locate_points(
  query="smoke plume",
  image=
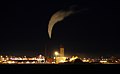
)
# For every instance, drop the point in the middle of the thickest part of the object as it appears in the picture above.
(59, 16)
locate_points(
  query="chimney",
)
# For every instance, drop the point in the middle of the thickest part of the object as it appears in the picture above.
(61, 51)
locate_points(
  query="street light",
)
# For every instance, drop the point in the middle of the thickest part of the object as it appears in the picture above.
(56, 53)
(1, 56)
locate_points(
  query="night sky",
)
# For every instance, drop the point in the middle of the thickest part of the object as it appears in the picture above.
(24, 25)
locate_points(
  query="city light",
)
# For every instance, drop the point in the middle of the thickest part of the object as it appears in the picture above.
(56, 53)
(85, 60)
(1, 56)
(73, 58)
(27, 62)
(40, 59)
(103, 61)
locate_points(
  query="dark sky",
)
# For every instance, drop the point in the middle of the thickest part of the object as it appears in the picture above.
(23, 28)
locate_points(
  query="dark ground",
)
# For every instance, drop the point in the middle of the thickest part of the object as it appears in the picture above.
(55, 68)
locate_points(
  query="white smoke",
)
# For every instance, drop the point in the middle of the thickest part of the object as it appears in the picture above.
(59, 16)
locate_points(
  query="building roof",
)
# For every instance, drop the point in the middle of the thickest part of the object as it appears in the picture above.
(61, 46)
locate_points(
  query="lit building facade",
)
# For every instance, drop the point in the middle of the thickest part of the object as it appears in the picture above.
(61, 51)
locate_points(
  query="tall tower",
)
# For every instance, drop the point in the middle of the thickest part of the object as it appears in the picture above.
(61, 51)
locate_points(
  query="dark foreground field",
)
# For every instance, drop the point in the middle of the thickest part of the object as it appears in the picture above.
(59, 68)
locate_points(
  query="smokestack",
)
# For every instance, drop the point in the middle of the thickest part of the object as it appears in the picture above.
(61, 51)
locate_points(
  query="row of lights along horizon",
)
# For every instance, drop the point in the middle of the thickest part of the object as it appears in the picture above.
(41, 60)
